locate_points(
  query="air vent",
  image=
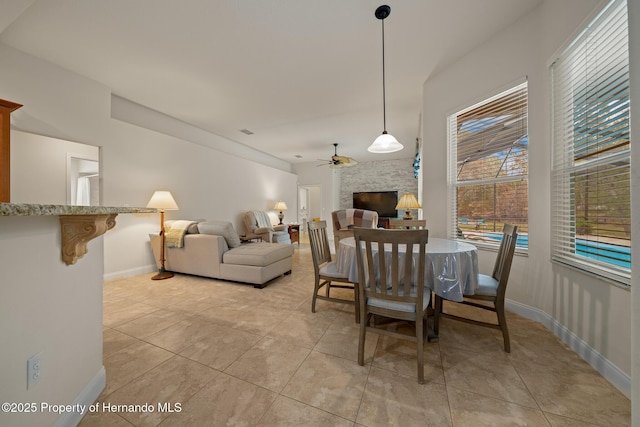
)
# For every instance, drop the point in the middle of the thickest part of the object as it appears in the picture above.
(246, 131)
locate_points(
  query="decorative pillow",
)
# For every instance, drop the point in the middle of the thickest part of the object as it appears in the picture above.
(193, 228)
(221, 228)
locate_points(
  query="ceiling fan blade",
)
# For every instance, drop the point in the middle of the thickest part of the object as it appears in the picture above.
(345, 160)
(340, 161)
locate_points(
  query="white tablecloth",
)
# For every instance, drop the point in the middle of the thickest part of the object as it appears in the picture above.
(451, 270)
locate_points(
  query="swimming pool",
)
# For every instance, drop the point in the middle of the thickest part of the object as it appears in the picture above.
(605, 252)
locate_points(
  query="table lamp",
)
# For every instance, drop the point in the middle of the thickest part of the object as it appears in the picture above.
(162, 200)
(408, 201)
(280, 206)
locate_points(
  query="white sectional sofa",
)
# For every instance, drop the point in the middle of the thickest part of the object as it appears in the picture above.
(213, 249)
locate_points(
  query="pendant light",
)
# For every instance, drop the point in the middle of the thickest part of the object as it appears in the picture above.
(385, 143)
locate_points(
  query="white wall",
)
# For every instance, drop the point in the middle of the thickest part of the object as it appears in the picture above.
(49, 308)
(593, 316)
(39, 167)
(136, 161)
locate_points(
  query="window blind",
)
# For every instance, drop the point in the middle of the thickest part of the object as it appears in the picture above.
(488, 156)
(591, 211)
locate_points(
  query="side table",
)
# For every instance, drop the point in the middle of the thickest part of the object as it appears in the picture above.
(294, 233)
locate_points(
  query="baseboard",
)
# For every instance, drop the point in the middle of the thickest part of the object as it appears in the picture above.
(131, 272)
(86, 398)
(608, 370)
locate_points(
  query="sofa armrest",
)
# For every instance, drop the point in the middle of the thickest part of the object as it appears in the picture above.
(283, 227)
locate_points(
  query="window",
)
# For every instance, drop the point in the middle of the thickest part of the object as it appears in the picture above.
(591, 210)
(489, 168)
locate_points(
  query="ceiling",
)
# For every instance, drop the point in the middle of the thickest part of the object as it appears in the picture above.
(300, 74)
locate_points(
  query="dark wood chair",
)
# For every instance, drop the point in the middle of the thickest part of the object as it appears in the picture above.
(387, 288)
(491, 289)
(326, 271)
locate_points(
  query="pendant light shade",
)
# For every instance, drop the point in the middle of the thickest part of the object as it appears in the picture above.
(385, 143)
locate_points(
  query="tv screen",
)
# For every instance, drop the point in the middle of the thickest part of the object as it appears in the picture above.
(383, 202)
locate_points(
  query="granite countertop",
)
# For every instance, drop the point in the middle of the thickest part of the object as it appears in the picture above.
(28, 209)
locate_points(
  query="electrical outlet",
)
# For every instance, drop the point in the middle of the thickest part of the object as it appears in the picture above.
(34, 370)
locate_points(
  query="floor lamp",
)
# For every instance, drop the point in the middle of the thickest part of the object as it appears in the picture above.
(162, 200)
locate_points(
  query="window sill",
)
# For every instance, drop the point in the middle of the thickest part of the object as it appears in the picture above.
(611, 278)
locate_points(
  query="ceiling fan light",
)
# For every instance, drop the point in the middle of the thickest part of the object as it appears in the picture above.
(385, 143)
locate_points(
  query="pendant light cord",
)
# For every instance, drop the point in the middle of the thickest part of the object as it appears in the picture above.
(384, 96)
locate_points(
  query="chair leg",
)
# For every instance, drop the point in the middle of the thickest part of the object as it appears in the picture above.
(316, 288)
(436, 315)
(502, 321)
(356, 290)
(361, 338)
(420, 345)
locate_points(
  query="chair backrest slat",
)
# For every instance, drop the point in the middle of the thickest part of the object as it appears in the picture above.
(375, 268)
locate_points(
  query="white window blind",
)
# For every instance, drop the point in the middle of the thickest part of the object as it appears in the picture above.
(591, 210)
(488, 155)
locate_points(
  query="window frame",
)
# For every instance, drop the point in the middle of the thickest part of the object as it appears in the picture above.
(570, 159)
(453, 168)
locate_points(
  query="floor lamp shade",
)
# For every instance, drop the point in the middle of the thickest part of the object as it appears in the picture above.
(162, 200)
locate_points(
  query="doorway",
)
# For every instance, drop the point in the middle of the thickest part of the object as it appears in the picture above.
(83, 181)
(309, 204)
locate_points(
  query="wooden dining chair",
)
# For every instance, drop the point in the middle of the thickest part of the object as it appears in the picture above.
(393, 287)
(326, 271)
(407, 224)
(491, 289)
(345, 219)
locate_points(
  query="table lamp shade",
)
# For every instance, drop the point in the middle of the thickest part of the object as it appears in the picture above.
(408, 201)
(280, 206)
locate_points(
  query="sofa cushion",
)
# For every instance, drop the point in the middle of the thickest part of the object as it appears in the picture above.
(258, 254)
(221, 228)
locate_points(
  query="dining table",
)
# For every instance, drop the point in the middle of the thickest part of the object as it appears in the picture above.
(451, 269)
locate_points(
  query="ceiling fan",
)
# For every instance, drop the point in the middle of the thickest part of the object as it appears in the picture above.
(339, 161)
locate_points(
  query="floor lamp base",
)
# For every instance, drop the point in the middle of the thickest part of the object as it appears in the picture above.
(162, 275)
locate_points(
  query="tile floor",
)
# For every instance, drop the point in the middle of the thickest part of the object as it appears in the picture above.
(229, 354)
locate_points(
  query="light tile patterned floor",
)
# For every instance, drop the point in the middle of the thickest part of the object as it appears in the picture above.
(230, 354)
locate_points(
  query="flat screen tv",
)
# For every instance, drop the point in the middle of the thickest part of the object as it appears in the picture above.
(383, 202)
